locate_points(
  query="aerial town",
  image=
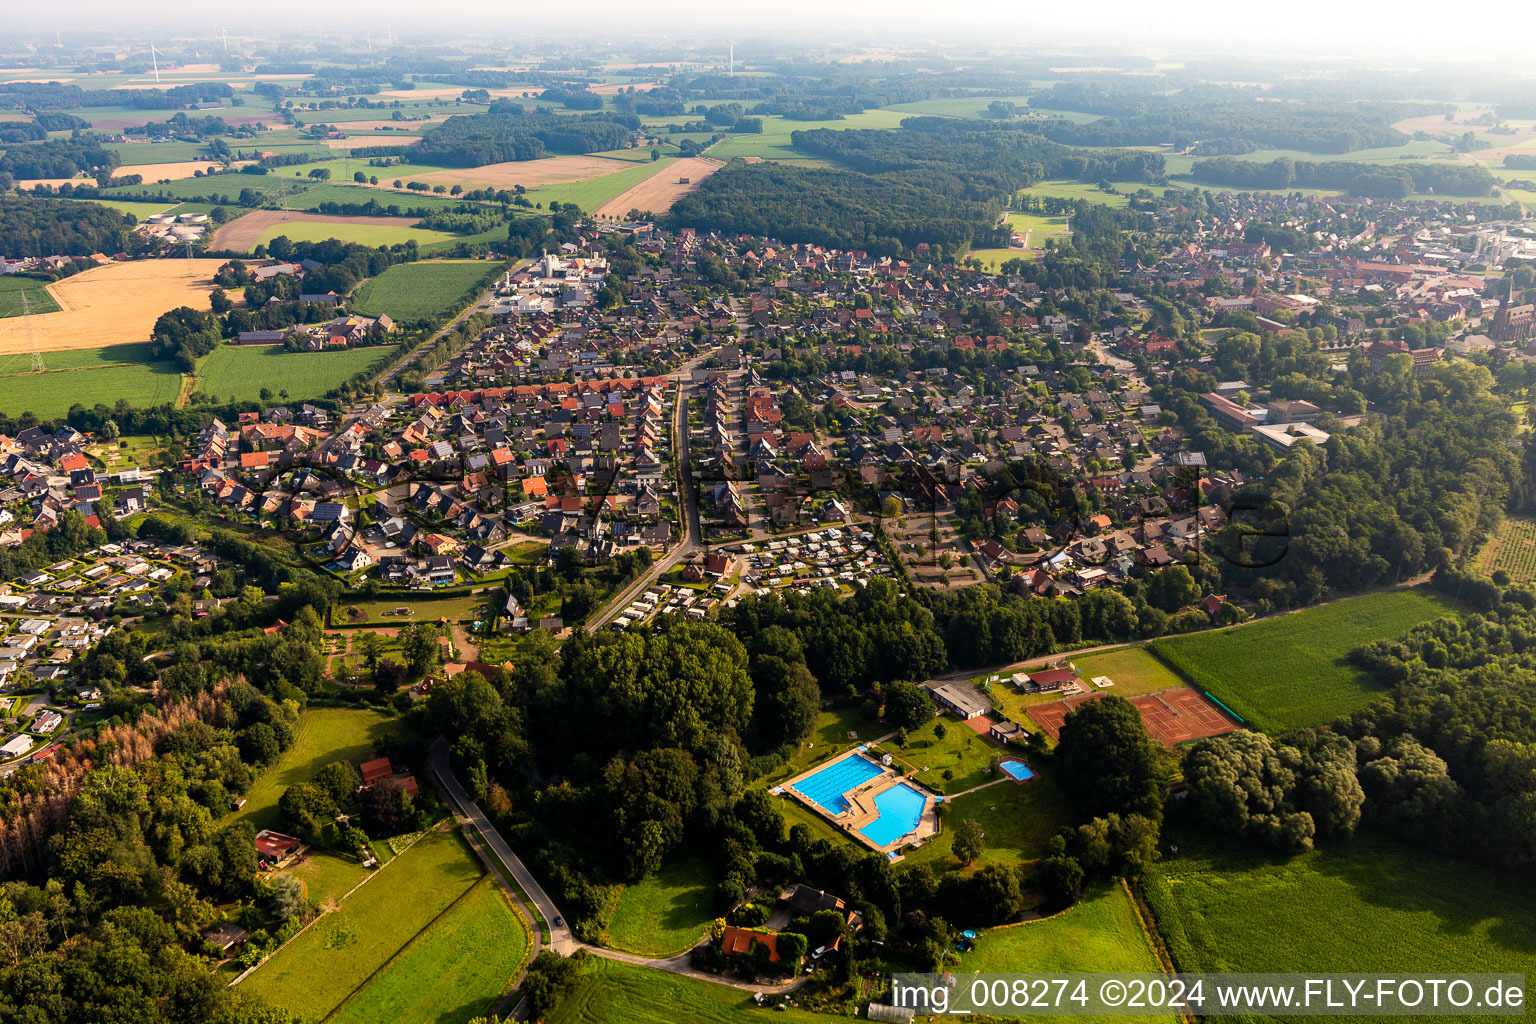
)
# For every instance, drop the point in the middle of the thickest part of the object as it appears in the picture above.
(576, 530)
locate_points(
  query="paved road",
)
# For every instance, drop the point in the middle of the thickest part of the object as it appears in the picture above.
(694, 541)
(560, 938)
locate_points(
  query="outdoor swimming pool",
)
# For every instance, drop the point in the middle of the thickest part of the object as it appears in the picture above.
(1018, 770)
(901, 808)
(826, 788)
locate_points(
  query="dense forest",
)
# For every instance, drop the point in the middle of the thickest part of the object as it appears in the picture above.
(1374, 180)
(1216, 119)
(508, 132)
(42, 96)
(59, 158)
(883, 214)
(905, 187)
(54, 227)
(994, 154)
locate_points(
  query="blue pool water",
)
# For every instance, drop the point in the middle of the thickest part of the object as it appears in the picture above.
(901, 808)
(826, 787)
(1018, 770)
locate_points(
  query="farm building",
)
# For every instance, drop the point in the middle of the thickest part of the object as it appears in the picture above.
(272, 848)
(15, 747)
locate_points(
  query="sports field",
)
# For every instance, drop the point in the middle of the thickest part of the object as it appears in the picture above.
(85, 375)
(454, 970)
(1290, 671)
(111, 304)
(239, 372)
(320, 736)
(1364, 905)
(1512, 548)
(416, 291)
(14, 289)
(316, 972)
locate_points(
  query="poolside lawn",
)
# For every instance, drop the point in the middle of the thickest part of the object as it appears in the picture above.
(964, 754)
(1018, 819)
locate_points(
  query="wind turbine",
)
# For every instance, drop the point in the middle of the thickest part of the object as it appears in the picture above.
(153, 62)
(732, 44)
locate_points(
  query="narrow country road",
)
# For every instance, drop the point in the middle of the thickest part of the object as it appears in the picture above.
(561, 939)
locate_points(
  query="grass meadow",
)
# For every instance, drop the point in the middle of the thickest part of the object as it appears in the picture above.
(239, 372)
(318, 971)
(1361, 906)
(320, 736)
(88, 376)
(12, 290)
(454, 970)
(416, 291)
(609, 992)
(669, 911)
(1512, 548)
(361, 232)
(1290, 671)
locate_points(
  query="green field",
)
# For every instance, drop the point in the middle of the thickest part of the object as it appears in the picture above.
(1081, 190)
(1290, 671)
(88, 376)
(453, 971)
(992, 260)
(319, 970)
(667, 912)
(361, 231)
(774, 141)
(239, 372)
(1101, 933)
(1360, 906)
(609, 992)
(320, 736)
(1039, 226)
(12, 289)
(1512, 548)
(416, 291)
(594, 192)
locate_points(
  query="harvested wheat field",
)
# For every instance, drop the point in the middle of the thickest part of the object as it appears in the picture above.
(174, 171)
(549, 170)
(110, 305)
(359, 141)
(657, 193)
(247, 232)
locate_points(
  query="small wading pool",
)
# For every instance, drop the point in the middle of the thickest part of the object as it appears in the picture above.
(1017, 770)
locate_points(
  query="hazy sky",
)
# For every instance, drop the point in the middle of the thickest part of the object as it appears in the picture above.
(1372, 29)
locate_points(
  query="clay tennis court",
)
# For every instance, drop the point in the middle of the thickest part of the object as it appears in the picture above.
(1171, 716)
(657, 193)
